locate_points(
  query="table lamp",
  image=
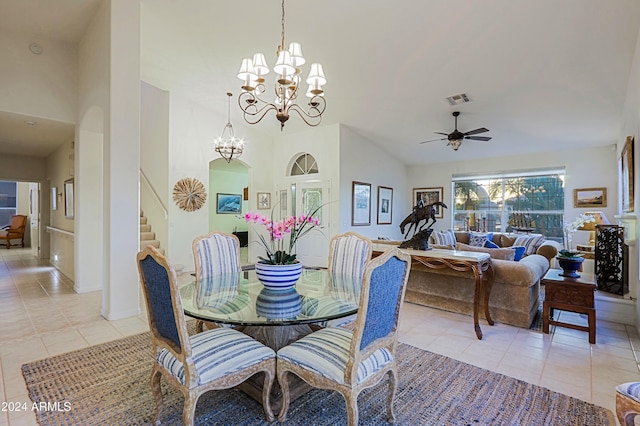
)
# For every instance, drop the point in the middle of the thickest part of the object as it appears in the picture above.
(600, 219)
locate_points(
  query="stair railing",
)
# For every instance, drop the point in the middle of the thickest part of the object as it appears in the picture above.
(156, 197)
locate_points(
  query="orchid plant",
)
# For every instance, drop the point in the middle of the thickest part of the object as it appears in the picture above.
(280, 251)
(572, 227)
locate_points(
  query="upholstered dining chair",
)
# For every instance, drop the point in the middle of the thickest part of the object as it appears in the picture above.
(349, 361)
(15, 230)
(215, 359)
(214, 254)
(348, 254)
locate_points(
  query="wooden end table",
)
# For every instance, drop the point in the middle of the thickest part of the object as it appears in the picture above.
(569, 294)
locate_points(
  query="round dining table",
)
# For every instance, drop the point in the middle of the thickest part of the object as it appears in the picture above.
(273, 317)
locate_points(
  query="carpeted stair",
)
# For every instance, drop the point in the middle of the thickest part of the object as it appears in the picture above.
(147, 236)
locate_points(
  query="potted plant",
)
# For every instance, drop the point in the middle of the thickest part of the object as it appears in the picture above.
(280, 269)
(570, 262)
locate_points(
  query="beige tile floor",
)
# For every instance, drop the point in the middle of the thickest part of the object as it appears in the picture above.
(41, 316)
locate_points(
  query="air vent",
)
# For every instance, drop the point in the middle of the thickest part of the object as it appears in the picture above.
(460, 99)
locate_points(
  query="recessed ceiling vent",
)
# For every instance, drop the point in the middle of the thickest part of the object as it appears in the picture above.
(460, 99)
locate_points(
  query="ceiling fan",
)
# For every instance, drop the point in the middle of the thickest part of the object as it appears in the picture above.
(455, 138)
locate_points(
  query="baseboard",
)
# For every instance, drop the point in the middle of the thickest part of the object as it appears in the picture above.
(614, 308)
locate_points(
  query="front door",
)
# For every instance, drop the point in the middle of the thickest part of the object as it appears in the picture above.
(313, 248)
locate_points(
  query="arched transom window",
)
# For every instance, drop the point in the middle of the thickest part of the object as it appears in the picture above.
(305, 164)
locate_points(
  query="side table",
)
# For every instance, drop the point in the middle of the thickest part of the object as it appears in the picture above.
(569, 294)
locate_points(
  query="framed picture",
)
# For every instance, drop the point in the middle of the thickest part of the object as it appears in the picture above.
(590, 197)
(385, 205)
(68, 198)
(626, 176)
(54, 198)
(361, 204)
(264, 200)
(428, 196)
(228, 203)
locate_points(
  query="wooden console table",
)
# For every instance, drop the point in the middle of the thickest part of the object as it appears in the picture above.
(477, 263)
(569, 294)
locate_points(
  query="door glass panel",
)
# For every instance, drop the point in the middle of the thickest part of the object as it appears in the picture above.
(311, 200)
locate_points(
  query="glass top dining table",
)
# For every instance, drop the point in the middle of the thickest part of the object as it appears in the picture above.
(240, 299)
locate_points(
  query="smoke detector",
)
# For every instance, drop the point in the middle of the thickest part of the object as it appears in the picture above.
(35, 48)
(460, 99)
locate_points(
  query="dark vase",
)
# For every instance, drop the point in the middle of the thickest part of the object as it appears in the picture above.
(570, 266)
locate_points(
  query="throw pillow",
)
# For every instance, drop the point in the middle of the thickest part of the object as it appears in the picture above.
(506, 241)
(478, 239)
(519, 252)
(499, 253)
(445, 238)
(529, 242)
(491, 244)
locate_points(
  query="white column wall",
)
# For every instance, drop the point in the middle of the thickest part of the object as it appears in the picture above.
(109, 85)
(122, 162)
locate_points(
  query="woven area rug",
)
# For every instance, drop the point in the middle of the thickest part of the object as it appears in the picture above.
(108, 384)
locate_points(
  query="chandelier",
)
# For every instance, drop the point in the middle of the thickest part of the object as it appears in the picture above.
(252, 99)
(227, 145)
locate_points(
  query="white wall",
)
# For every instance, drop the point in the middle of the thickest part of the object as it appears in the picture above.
(192, 129)
(631, 127)
(50, 78)
(154, 160)
(62, 253)
(363, 161)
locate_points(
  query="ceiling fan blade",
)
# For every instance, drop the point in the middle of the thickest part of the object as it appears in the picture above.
(476, 131)
(441, 133)
(478, 138)
(434, 140)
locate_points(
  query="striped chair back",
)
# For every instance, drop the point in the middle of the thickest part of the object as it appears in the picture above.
(216, 253)
(348, 254)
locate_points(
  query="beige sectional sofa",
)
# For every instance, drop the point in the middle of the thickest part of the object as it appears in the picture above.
(514, 296)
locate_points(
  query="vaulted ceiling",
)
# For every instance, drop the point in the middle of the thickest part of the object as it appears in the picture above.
(541, 75)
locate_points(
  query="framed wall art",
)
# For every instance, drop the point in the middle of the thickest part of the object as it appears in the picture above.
(590, 197)
(626, 176)
(264, 200)
(361, 204)
(428, 196)
(228, 203)
(385, 205)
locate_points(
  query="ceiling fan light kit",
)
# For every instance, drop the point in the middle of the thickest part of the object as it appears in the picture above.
(456, 137)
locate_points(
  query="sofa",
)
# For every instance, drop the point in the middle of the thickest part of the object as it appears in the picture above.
(514, 297)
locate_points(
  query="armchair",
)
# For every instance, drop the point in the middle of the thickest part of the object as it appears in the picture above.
(15, 230)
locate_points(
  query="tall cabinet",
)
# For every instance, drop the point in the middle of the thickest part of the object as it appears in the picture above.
(611, 260)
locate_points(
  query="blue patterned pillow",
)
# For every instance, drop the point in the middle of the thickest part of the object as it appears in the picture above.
(529, 242)
(478, 239)
(491, 244)
(519, 252)
(445, 238)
